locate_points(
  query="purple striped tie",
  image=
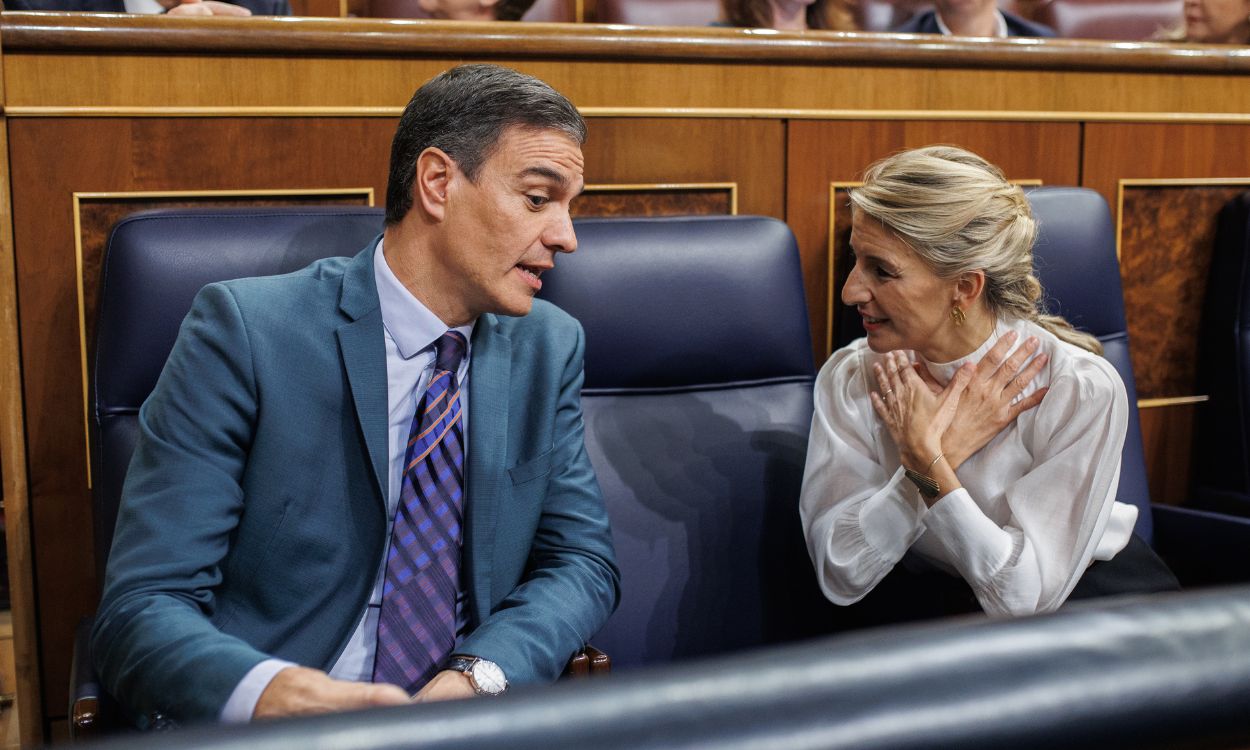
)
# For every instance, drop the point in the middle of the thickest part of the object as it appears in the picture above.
(417, 624)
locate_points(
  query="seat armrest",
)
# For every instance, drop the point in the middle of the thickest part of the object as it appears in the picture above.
(590, 661)
(1203, 548)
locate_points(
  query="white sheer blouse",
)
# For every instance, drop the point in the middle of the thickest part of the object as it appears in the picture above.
(1037, 503)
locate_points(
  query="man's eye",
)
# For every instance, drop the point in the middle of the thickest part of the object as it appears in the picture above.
(537, 201)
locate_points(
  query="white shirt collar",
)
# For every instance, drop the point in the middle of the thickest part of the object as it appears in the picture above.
(944, 371)
(143, 6)
(998, 17)
(409, 322)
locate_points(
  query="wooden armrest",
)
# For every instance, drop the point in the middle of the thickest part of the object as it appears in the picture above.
(588, 662)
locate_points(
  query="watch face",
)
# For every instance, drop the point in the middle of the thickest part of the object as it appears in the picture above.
(488, 677)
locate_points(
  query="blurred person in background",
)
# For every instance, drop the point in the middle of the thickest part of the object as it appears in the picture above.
(789, 15)
(153, 7)
(476, 10)
(971, 18)
(1212, 22)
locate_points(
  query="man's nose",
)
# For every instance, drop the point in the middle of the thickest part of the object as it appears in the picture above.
(560, 236)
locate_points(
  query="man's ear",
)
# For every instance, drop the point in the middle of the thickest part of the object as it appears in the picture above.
(968, 288)
(434, 173)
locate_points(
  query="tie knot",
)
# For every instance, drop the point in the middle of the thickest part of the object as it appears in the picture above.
(449, 349)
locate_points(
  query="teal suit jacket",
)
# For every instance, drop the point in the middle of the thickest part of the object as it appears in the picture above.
(253, 518)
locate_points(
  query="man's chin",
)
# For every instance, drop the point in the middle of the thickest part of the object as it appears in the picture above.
(516, 308)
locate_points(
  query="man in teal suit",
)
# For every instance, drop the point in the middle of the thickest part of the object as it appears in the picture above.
(267, 517)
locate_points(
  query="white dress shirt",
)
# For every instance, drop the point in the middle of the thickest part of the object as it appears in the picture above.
(1037, 503)
(410, 330)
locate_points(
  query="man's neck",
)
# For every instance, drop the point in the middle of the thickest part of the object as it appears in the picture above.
(973, 24)
(412, 263)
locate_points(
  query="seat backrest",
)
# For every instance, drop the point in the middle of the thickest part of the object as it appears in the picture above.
(658, 12)
(1076, 262)
(1220, 469)
(154, 264)
(1110, 19)
(560, 11)
(1077, 265)
(698, 402)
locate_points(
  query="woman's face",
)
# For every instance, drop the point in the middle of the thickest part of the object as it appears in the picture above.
(904, 305)
(1217, 21)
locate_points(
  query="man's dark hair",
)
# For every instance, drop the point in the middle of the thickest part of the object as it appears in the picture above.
(463, 112)
(511, 10)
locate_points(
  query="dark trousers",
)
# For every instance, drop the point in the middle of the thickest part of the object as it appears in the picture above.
(915, 591)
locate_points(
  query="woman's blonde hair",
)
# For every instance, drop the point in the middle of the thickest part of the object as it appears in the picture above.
(960, 214)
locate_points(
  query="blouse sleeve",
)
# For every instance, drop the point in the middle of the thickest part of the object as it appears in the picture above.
(1058, 508)
(859, 518)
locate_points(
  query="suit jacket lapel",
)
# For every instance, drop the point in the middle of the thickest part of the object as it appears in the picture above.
(363, 349)
(489, 379)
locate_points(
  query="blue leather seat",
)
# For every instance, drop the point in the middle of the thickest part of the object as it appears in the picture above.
(1075, 260)
(698, 403)
(155, 263)
(697, 399)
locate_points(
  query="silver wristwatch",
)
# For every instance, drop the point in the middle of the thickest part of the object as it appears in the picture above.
(485, 676)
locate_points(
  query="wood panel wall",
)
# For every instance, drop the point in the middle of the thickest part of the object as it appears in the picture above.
(771, 127)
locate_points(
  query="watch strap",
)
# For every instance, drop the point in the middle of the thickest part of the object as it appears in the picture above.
(927, 485)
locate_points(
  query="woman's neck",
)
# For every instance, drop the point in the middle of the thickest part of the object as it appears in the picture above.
(958, 342)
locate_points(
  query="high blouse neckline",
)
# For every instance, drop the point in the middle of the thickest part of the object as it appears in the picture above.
(944, 371)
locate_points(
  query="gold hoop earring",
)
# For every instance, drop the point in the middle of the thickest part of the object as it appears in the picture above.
(957, 315)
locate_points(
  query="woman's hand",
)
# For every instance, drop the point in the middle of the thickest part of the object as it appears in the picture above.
(916, 417)
(986, 407)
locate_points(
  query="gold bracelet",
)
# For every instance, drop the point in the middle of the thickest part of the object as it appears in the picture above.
(932, 463)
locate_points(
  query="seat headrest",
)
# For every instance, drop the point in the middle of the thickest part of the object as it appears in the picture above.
(1074, 232)
(644, 285)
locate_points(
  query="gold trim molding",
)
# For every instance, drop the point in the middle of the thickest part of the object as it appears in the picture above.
(80, 197)
(1154, 403)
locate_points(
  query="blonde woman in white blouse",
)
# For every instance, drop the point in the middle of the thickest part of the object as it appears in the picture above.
(968, 436)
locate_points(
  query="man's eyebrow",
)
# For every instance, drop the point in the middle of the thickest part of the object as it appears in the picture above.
(546, 172)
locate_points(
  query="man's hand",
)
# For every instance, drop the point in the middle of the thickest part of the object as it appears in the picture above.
(448, 685)
(297, 691)
(205, 8)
